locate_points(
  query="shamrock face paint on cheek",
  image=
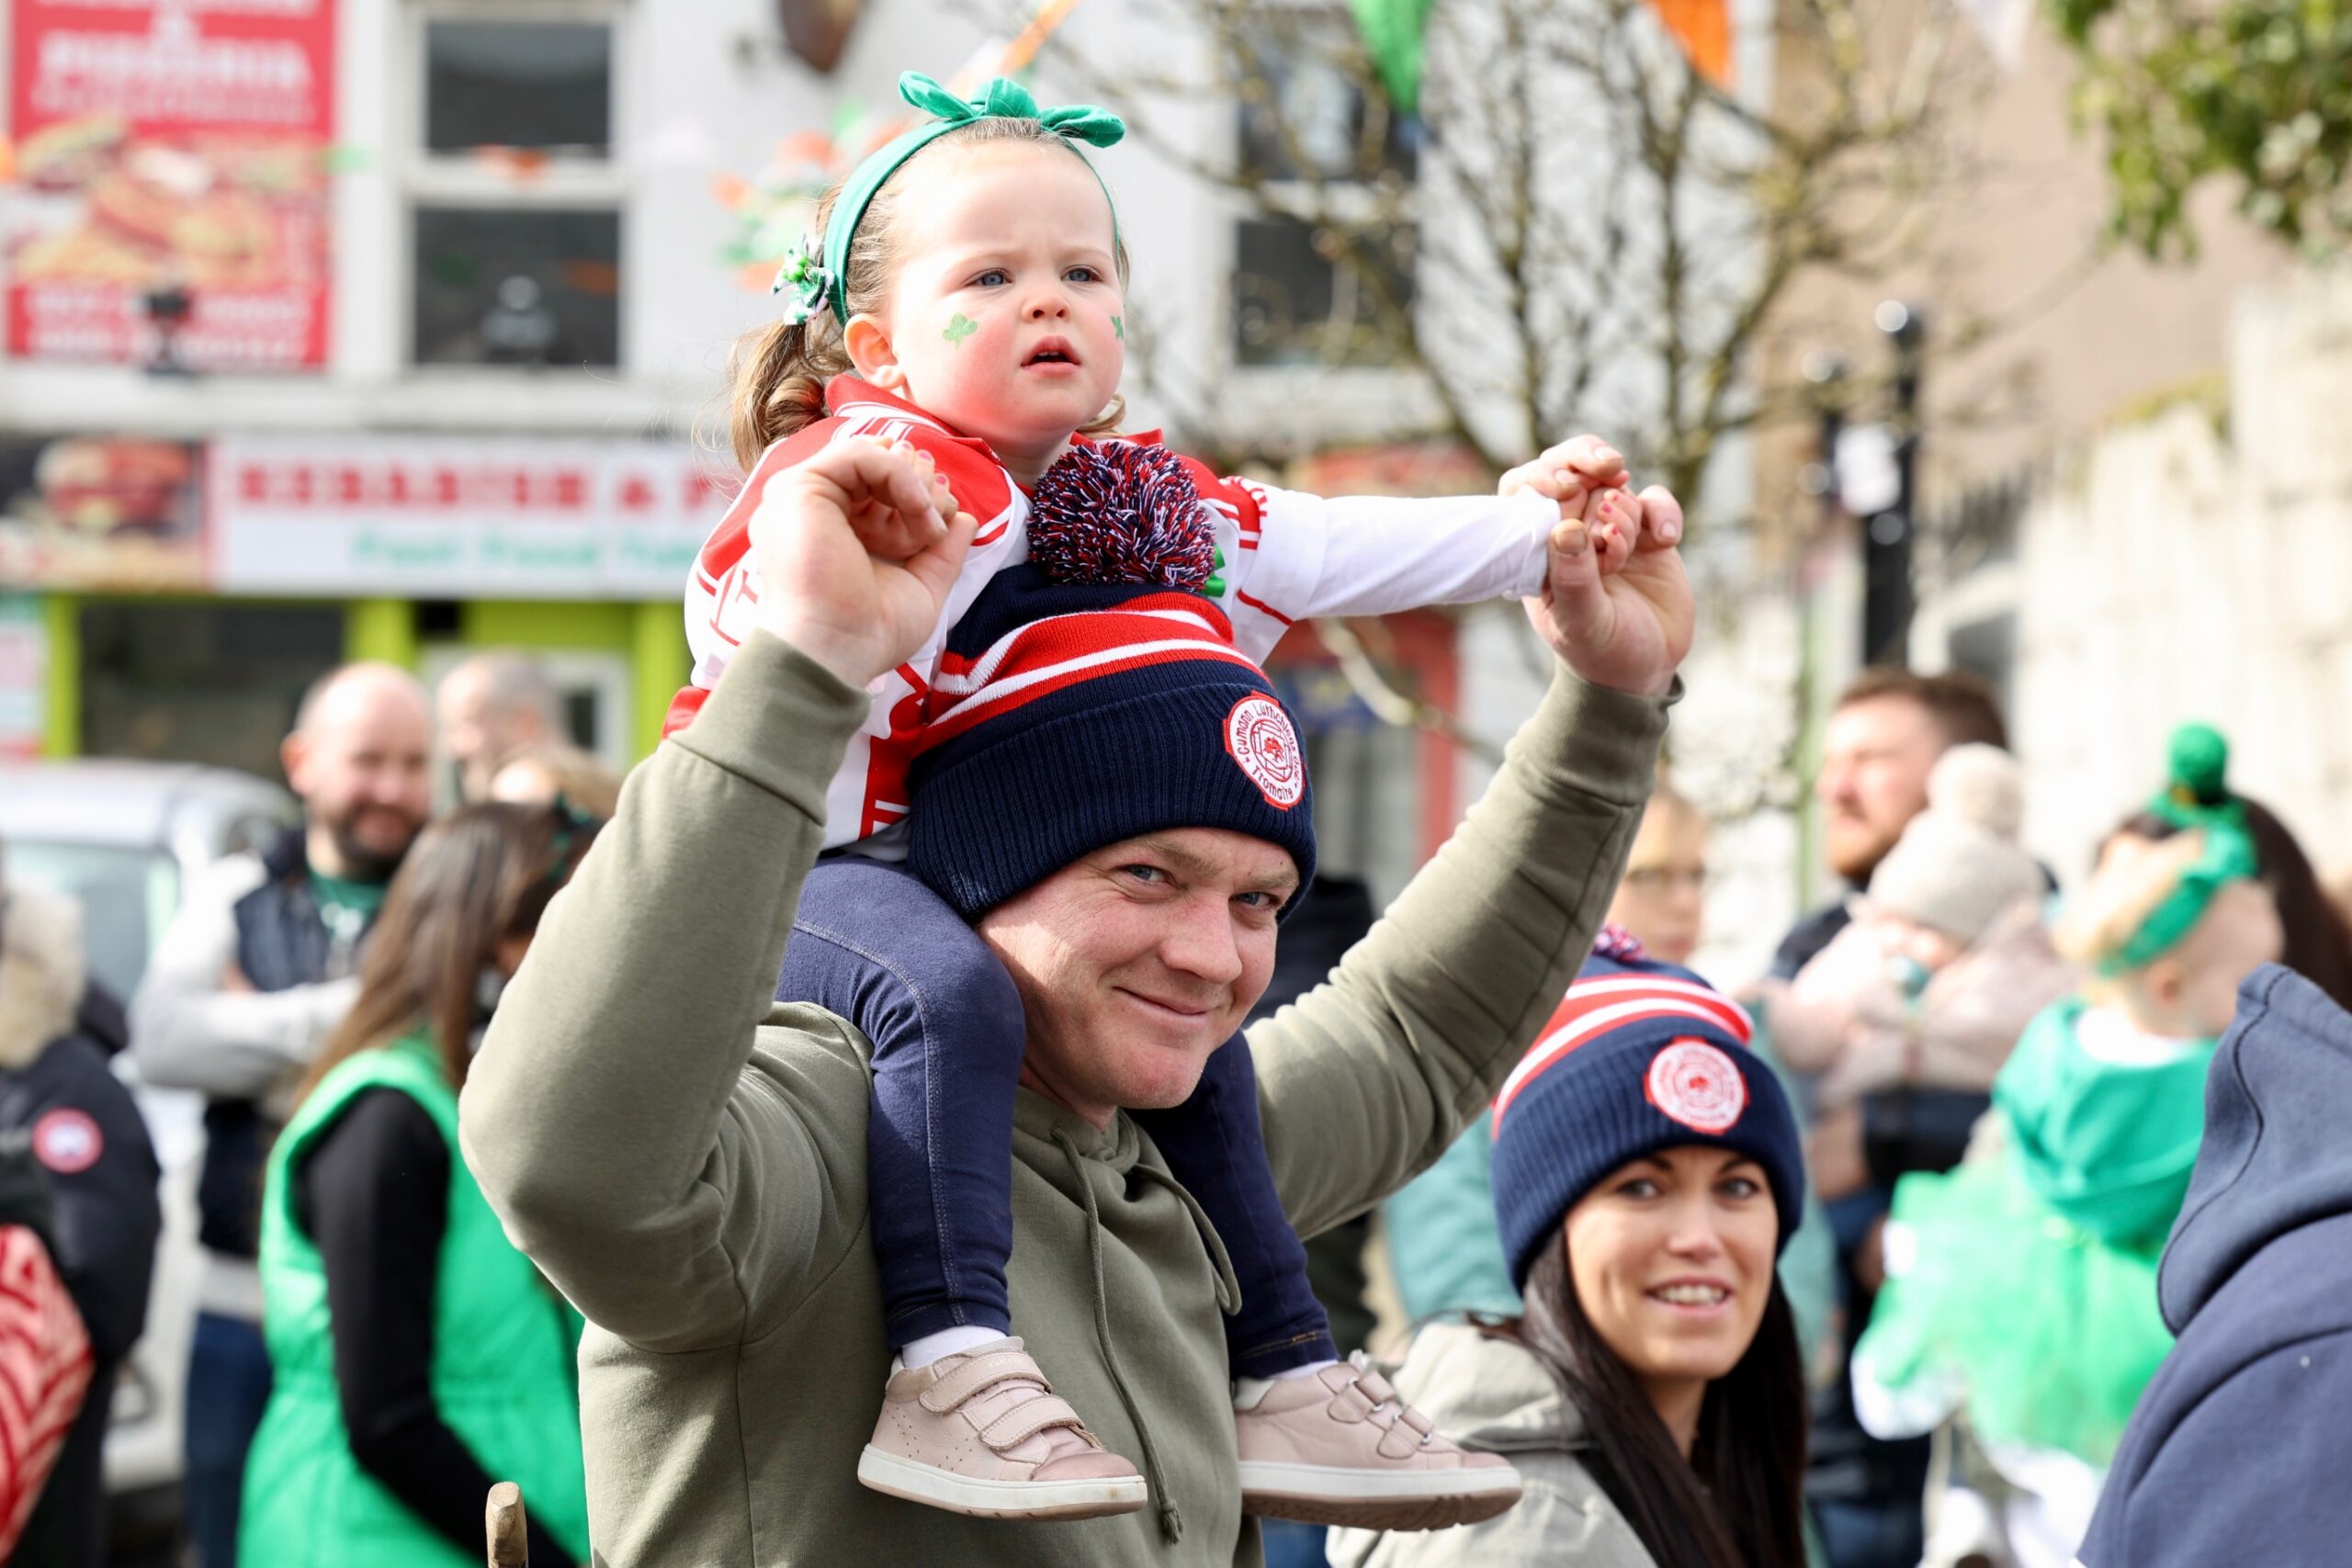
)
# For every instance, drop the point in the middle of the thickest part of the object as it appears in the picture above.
(962, 327)
(1119, 328)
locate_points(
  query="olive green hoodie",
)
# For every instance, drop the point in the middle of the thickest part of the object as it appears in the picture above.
(687, 1161)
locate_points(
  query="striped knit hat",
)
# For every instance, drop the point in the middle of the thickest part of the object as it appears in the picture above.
(1067, 717)
(1641, 1057)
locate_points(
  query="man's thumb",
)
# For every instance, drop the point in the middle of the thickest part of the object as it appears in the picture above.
(1577, 594)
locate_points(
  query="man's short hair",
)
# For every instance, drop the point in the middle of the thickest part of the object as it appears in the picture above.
(1963, 704)
(515, 683)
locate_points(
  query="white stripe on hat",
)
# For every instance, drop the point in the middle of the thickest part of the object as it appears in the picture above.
(985, 667)
(1734, 1017)
(1013, 685)
(1613, 1004)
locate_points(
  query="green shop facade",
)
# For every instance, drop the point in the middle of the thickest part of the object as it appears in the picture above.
(172, 600)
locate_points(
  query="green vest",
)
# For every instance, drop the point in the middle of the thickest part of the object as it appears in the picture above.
(504, 1372)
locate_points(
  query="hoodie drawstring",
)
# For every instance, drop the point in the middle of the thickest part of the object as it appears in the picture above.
(1171, 1523)
(1228, 1285)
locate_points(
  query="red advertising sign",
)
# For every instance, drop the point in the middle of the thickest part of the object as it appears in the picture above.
(171, 145)
(440, 518)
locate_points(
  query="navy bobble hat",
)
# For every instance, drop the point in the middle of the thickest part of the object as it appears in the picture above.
(1065, 716)
(1641, 1057)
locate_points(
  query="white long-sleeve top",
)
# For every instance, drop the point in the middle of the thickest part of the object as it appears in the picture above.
(1287, 557)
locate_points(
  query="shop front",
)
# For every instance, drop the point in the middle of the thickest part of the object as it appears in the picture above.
(173, 600)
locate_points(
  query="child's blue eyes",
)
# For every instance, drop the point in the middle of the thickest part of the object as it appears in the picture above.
(997, 278)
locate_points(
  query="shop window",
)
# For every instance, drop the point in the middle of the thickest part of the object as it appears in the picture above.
(200, 683)
(526, 287)
(1329, 280)
(546, 85)
(515, 200)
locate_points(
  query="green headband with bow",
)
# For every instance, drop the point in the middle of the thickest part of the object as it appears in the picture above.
(2196, 798)
(819, 278)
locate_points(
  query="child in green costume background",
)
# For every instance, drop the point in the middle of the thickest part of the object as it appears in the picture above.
(2021, 1288)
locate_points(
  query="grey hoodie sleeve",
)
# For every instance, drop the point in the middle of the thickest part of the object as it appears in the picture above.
(1364, 1081)
(188, 1030)
(669, 1193)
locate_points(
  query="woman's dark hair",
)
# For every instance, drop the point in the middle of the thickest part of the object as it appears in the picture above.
(2319, 944)
(1738, 1502)
(470, 881)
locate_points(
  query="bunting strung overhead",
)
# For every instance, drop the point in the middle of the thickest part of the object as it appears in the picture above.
(1392, 33)
(1703, 29)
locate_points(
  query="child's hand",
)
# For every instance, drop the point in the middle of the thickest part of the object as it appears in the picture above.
(856, 551)
(1569, 473)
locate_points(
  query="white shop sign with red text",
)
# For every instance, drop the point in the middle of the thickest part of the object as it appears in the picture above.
(430, 518)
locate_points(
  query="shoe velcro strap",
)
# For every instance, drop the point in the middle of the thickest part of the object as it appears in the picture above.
(980, 1372)
(1026, 1419)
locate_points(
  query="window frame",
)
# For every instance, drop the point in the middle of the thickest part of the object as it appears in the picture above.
(424, 178)
(1309, 200)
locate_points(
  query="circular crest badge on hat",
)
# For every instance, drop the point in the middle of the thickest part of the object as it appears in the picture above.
(1698, 1085)
(68, 1141)
(1258, 734)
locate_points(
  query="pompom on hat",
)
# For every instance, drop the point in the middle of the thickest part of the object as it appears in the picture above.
(1959, 864)
(1641, 1057)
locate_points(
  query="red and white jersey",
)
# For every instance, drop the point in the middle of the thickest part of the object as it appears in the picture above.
(1287, 557)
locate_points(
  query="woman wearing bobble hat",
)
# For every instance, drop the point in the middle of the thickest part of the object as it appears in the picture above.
(1647, 1173)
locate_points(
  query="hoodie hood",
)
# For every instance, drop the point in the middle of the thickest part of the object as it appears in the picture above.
(2275, 1155)
(42, 972)
(2106, 1121)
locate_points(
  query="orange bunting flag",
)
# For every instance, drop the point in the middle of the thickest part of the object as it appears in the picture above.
(1703, 29)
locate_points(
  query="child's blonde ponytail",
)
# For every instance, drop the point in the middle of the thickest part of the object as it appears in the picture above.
(779, 373)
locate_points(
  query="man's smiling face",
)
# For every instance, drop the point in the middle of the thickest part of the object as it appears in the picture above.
(1136, 961)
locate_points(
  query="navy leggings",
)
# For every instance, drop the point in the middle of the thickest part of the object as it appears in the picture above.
(877, 947)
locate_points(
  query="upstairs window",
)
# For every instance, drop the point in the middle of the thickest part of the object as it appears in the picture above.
(1326, 278)
(515, 200)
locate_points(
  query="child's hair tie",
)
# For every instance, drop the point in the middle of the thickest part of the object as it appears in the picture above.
(825, 276)
(803, 272)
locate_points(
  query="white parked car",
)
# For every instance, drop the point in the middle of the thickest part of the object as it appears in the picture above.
(123, 838)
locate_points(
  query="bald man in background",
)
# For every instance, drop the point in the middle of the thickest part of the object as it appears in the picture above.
(253, 973)
(491, 706)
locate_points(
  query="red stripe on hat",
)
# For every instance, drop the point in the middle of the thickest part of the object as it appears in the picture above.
(1052, 638)
(1604, 990)
(1593, 1008)
(1015, 690)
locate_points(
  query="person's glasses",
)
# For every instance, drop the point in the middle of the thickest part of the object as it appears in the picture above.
(1655, 879)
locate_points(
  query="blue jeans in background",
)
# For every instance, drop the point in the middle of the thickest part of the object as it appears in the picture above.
(228, 1386)
(874, 945)
(1290, 1544)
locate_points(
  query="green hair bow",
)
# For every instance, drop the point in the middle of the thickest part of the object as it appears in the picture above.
(817, 275)
(2196, 798)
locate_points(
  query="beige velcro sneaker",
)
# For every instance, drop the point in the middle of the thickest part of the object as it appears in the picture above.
(983, 1433)
(1337, 1447)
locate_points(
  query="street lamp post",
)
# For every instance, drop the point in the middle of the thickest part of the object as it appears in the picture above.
(1886, 536)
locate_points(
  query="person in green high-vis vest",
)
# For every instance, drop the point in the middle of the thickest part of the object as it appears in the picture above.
(418, 1356)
